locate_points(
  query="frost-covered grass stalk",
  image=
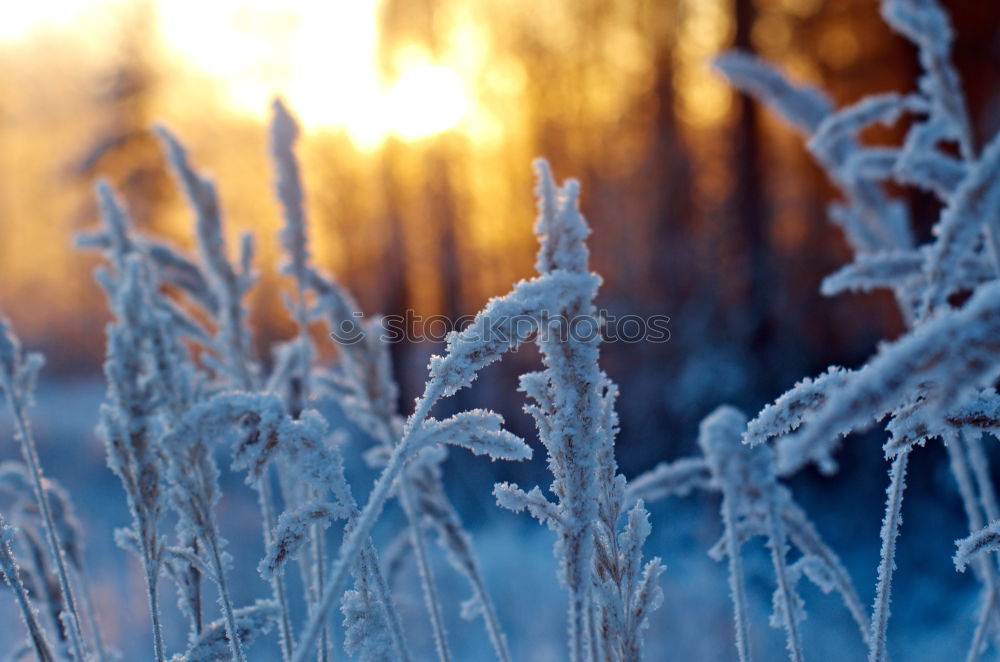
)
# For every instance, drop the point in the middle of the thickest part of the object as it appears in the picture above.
(935, 381)
(284, 133)
(11, 575)
(576, 421)
(18, 374)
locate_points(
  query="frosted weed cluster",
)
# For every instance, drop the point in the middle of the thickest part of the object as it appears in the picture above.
(166, 412)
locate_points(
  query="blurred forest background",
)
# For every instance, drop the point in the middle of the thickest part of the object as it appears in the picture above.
(421, 120)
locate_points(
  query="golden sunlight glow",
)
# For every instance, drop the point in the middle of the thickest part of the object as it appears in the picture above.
(22, 18)
(320, 55)
(426, 99)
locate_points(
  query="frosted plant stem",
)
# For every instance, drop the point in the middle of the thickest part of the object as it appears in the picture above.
(267, 508)
(91, 614)
(981, 470)
(431, 597)
(278, 580)
(349, 550)
(391, 432)
(890, 530)
(319, 559)
(198, 607)
(776, 541)
(988, 500)
(805, 537)
(235, 646)
(354, 541)
(153, 595)
(975, 650)
(592, 633)
(311, 591)
(577, 621)
(9, 572)
(984, 568)
(967, 151)
(318, 539)
(489, 615)
(38, 642)
(30, 454)
(385, 595)
(736, 586)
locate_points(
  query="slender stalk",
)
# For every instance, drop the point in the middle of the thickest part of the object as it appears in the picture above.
(449, 526)
(288, 185)
(497, 637)
(594, 642)
(805, 537)
(981, 470)
(967, 151)
(153, 596)
(426, 572)
(736, 580)
(267, 508)
(30, 454)
(319, 560)
(91, 614)
(890, 530)
(35, 633)
(392, 615)
(985, 570)
(235, 645)
(198, 616)
(776, 538)
(577, 616)
(391, 430)
(278, 588)
(10, 574)
(979, 636)
(988, 500)
(354, 541)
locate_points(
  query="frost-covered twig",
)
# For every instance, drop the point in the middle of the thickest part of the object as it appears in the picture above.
(942, 361)
(570, 430)
(877, 651)
(677, 478)
(985, 569)
(751, 501)
(986, 539)
(194, 490)
(10, 574)
(574, 412)
(227, 284)
(974, 206)
(18, 374)
(284, 132)
(140, 374)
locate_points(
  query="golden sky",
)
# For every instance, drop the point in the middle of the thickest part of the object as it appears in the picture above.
(320, 55)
